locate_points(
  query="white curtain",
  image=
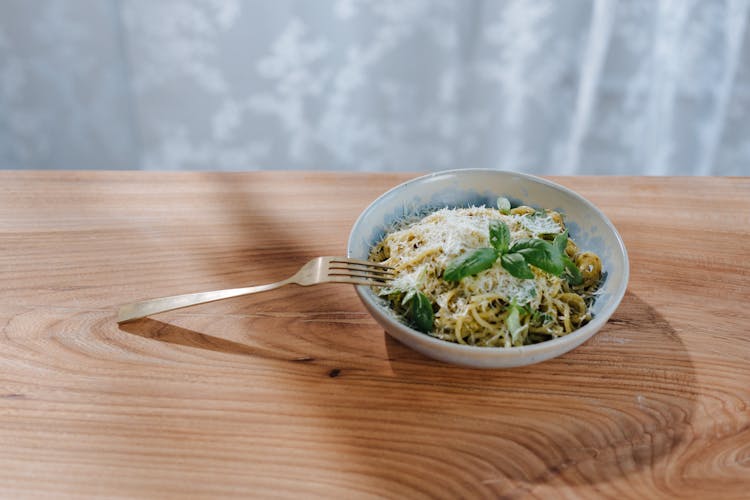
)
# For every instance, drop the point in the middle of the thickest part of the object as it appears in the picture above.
(542, 86)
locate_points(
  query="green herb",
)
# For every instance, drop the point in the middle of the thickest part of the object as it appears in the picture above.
(499, 236)
(513, 322)
(572, 274)
(540, 318)
(516, 258)
(516, 265)
(420, 312)
(503, 205)
(541, 254)
(561, 242)
(470, 263)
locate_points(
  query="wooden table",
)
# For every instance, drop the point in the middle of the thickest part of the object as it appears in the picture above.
(298, 393)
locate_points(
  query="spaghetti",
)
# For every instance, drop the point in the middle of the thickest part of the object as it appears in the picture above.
(493, 307)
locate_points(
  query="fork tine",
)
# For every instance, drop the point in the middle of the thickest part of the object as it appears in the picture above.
(357, 262)
(380, 271)
(357, 281)
(360, 274)
(355, 268)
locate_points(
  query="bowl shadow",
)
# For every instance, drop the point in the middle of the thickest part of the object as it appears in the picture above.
(621, 402)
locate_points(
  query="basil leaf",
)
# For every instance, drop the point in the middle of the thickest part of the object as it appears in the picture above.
(503, 205)
(513, 323)
(515, 264)
(561, 242)
(541, 254)
(540, 318)
(420, 312)
(470, 263)
(572, 273)
(499, 236)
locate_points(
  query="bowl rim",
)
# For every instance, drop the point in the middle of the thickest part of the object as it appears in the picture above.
(572, 339)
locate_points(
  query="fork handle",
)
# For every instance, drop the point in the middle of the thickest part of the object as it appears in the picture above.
(138, 310)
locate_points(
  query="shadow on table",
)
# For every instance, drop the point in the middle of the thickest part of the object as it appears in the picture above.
(177, 335)
(621, 402)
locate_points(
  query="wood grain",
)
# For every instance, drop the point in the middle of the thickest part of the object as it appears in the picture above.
(298, 393)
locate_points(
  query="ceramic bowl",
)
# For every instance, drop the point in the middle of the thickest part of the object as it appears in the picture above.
(587, 225)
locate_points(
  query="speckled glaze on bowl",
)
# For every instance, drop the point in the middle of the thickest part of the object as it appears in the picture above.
(588, 226)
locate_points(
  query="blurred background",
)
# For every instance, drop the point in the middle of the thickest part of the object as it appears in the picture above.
(543, 86)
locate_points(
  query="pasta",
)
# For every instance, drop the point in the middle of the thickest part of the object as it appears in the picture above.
(436, 258)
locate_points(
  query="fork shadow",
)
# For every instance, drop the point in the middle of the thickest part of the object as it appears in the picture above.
(172, 334)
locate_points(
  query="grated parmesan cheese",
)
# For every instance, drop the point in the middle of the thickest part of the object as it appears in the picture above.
(473, 310)
(540, 224)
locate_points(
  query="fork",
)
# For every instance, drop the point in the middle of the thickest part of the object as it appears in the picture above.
(317, 271)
